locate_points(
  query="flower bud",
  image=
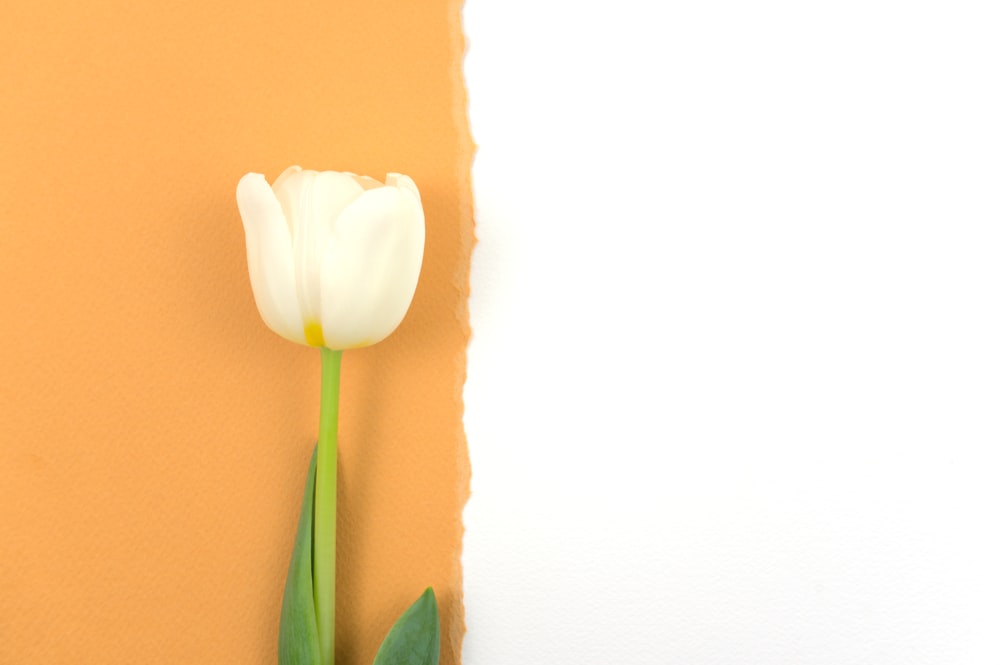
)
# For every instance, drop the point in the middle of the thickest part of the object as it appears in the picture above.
(333, 257)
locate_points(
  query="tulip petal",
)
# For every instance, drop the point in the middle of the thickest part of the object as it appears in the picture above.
(403, 182)
(370, 267)
(269, 257)
(366, 182)
(279, 184)
(312, 201)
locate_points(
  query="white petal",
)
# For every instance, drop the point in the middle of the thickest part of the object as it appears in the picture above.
(370, 267)
(288, 188)
(366, 182)
(280, 181)
(269, 257)
(331, 193)
(312, 201)
(403, 182)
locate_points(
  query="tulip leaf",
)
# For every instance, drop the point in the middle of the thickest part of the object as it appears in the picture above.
(298, 639)
(415, 639)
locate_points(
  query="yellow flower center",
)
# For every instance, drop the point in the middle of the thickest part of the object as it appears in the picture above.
(314, 334)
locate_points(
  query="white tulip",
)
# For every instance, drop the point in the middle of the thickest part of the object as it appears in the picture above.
(333, 257)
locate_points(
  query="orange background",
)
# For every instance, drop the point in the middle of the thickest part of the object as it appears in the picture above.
(154, 434)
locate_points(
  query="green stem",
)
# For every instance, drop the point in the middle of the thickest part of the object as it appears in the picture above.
(325, 525)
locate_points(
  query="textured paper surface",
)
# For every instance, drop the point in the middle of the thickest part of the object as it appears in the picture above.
(154, 434)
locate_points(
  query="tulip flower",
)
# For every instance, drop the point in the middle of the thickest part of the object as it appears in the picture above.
(333, 257)
(334, 260)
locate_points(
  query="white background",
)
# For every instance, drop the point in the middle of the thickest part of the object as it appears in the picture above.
(734, 381)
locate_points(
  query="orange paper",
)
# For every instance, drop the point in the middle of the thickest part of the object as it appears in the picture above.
(155, 435)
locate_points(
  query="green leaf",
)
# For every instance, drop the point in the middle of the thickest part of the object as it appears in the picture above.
(298, 639)
(415, 639)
